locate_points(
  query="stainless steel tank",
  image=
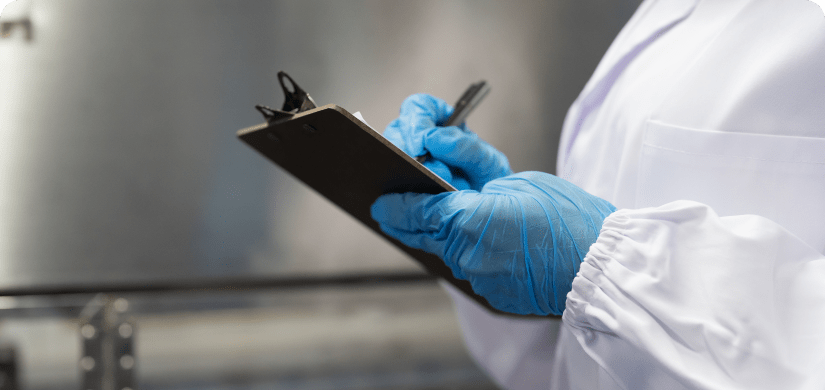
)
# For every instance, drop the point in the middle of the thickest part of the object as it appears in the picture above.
(118, 158)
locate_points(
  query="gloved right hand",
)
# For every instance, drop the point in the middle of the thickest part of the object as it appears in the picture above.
(519, 241)
(457, 155)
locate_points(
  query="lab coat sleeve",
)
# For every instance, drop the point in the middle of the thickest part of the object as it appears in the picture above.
(678, 297)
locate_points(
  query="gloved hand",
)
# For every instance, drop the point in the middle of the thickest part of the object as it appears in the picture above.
(519, 241)
(458, 155)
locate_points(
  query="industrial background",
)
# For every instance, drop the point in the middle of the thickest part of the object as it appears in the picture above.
(119, 165)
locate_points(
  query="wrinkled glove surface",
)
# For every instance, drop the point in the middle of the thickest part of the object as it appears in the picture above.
(458, 155)
(519, 239)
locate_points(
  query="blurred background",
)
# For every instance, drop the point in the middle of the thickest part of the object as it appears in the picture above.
(119, 165)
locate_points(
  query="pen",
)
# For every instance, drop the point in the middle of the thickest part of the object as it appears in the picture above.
(466, 103)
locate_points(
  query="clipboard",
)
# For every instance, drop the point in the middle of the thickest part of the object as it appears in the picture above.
(349, 163)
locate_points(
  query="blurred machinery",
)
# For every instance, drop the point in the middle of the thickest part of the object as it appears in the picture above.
(120, 173)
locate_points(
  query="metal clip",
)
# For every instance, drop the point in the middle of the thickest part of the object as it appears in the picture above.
(298, 98)
(295, 101)
(272, 115)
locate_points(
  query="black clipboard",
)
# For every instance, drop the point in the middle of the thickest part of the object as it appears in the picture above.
(347, 162)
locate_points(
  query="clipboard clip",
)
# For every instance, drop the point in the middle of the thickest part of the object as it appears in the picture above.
(295, 101)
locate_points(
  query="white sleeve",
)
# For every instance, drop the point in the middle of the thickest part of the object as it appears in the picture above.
(677, 297)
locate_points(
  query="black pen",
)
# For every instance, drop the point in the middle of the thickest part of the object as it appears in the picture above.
(466, 103)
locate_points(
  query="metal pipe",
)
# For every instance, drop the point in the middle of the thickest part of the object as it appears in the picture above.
(223, 284)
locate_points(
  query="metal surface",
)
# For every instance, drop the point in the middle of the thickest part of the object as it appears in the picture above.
(92, 362)
(111, 155)
(384, 337)
(223, 284)
(296, 100)
(107, 360)
(117, 155)
(8, 368)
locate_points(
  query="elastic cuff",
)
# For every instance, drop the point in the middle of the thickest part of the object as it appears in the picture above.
(585, 284)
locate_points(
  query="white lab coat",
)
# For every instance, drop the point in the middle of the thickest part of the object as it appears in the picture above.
(704, 124)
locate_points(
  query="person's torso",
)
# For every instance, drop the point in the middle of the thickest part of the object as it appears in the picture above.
(727, 108)
(720, 102)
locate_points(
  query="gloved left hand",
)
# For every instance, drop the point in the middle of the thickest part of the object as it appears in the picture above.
(457, 154)
(519, 241)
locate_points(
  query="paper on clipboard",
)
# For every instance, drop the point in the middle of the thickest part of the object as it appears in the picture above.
(360, 117)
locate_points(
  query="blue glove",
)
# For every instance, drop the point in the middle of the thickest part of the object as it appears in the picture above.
(519, 241)
(457, 154)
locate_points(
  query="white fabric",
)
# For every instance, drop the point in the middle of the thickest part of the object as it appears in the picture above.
(719, 102)
(511, 349)
(677, 297)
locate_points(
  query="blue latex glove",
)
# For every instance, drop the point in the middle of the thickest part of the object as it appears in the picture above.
(458, 155)
(519, 241)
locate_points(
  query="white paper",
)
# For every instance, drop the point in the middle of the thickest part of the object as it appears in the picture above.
(360, 117)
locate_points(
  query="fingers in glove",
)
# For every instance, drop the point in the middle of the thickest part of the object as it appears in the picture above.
(456, 178)
(425, 110)
(440, 169)
(420, 221)
(419, 115)
(479, 161)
